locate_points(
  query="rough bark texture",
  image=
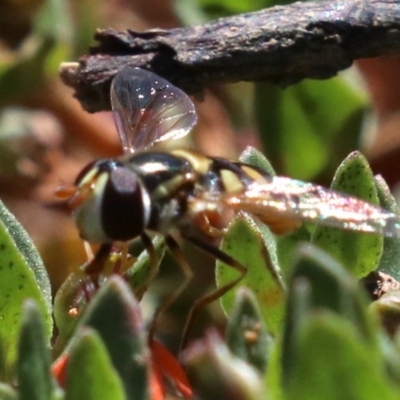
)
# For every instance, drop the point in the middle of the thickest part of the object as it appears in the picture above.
(282, 45)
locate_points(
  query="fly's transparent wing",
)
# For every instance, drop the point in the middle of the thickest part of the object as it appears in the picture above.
(148, 109)
(292, 199)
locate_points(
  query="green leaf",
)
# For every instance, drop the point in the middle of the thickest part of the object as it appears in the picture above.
(255, 158)
(329, 335)
(358, 252)
(246, 335)
(35, 381)
(22, 276)
(319, 283)
(331, 362)
(86, 22)
(223, 8)
(48, 44)
(218, 374)
(234, 6)
(332, 288)
(254, 247)
(73, 295)
(78, 289)
(115, 314)
(308, 125)
(54, 21)
(91, 375)
(287, 243)
(140, 273)
(390, 260)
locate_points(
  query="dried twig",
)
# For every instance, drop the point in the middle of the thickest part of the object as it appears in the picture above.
(281, 44)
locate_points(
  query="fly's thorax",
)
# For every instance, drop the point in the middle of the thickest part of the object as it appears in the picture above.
(169, 180)
(113, 204)
(162, 171)
(218, 175)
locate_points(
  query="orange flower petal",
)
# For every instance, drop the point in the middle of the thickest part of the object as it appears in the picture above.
(169, 366)
(59, 369)
(157, 389)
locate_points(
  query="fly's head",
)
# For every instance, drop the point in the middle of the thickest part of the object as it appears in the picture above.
(109, 202)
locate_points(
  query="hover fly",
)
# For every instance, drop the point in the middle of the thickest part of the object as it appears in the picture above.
(181, 191)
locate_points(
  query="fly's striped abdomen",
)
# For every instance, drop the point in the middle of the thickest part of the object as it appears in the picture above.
(217, 175)
(236, 176)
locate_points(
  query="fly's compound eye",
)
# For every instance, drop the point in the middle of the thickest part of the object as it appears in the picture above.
(109, 203)
(125, 205)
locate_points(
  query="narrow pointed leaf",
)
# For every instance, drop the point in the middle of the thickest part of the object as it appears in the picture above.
(331, 363)
(294, 127)
(247, 335)
(255, 158)
(70, 302)
(286, 247)
(320, 284)
(139, 273)
(285, 244)
(390, 260)
(255, 248)
(332, 288)
(91, 374)
(115, 314)
(33, 366)
(22, 276)
(358, 252)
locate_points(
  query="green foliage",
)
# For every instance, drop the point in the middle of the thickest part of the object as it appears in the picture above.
(253, 244)
(246, 334)
(223, 8)
(328, 333)
(54, 37)
(47, 46)
(359, 253)
(22, 275)
(35, 381)
(115, 315)
(300, 329)
(330, 341)
(98, 380)
(294, 129)
(390, 260)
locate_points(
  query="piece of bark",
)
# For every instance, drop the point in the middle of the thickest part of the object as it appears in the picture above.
(283, 44)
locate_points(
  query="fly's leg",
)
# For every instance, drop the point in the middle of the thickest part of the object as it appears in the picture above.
(94, 268)
(154, 264)
(208, 228)
(96, 265)
(204, 301)
(122, 264)
(88, 250)
(177, 253)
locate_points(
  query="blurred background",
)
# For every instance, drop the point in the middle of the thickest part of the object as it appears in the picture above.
(46, 137)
